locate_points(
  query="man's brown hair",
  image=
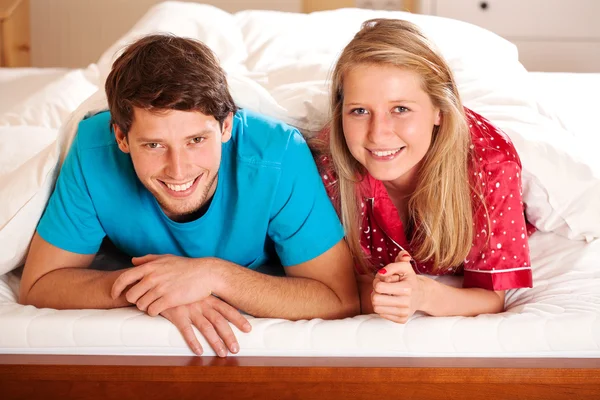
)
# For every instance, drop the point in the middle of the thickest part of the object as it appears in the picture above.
(165, 72)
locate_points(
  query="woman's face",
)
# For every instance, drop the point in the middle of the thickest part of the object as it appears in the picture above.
(388, 121)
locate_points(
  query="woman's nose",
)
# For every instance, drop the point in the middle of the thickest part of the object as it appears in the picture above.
(381, 126)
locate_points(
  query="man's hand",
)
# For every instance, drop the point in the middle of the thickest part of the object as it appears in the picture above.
(210, 316)
(163, 282)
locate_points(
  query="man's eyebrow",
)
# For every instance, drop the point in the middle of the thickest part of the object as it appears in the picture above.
(151, 139)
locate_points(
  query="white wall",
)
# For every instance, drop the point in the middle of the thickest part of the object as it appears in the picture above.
(74, 33)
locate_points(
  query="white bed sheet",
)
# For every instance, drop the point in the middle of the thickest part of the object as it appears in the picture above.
(559, 317)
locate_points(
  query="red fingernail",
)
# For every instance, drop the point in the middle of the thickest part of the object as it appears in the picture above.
(382, 271)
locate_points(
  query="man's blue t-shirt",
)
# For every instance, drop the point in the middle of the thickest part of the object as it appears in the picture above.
(269, 196)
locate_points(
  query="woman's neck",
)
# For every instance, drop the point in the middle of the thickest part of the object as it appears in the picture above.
(400, 191)
(402, 187)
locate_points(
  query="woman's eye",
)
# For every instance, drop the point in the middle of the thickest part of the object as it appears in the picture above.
(197, 140)
(401, 109)
(358, 111)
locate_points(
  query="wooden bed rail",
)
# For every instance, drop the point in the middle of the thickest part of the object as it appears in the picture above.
(173, 377)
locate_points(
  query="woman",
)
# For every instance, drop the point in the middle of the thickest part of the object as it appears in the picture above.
(423, 185)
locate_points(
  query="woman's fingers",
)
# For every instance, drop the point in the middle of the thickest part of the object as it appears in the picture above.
(390, 301)
(393, 289)
(397, 311)
(391, 278)
(395, 318)
(399, 268)
(403, 256)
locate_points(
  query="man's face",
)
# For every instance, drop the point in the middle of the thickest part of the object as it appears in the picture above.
(176, 156)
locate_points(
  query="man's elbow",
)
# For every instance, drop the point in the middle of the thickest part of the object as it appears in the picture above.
(348, 307)
(26, 298)
(352, 308)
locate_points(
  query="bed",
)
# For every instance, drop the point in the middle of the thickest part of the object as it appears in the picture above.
(545, 345)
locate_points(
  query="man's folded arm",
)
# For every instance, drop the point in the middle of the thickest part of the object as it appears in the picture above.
(56, 278)
(323, 287)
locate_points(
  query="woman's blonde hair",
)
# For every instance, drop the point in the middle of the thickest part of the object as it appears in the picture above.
(440, 209)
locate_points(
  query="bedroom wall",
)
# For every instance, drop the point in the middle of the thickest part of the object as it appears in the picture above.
(74, 33)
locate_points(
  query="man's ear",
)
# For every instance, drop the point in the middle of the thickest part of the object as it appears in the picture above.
(227, 128)
(121, 139)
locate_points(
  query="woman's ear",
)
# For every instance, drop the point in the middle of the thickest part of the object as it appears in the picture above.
(438, 117)
(121, 139)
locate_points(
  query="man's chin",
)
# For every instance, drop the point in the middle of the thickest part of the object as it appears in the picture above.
(181, 215)
(178, 211)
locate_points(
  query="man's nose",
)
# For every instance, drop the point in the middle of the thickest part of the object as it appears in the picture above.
(176, 163)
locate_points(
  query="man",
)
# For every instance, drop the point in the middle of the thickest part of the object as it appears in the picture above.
(200, 194)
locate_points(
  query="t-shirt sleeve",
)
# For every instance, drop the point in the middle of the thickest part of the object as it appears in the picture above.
(303, 221)
(499, 259)
(70, 221)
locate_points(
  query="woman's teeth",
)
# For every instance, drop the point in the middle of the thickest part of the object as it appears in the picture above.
(385, 153)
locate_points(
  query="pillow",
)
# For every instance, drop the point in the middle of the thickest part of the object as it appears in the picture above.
(294, 54)
(213, 26)
(28, 160)
(50, 106)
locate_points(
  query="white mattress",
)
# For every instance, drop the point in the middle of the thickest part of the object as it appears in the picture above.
(559, 317)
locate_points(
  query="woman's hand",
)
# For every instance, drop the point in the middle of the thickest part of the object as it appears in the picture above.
(398, 292)
(365, 287)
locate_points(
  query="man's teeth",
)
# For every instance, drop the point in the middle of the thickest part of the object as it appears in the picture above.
(385, 153)
(180, 188)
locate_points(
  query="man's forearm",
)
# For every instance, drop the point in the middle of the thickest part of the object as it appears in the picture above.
(269, 296)
(74, 288)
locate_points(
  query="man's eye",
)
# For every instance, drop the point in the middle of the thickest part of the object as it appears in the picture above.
(358, 111)
(152, 145)
(198, 140)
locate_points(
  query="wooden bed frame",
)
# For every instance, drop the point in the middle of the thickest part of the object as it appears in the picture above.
(177, 377)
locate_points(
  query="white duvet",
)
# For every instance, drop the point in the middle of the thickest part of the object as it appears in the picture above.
(278, 64)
